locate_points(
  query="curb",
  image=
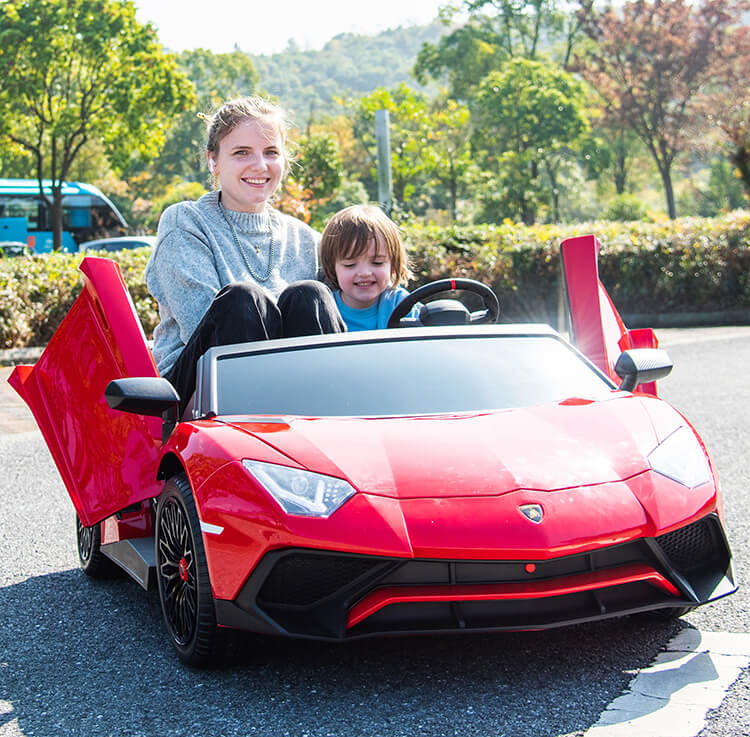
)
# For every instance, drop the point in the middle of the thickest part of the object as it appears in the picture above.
(14, 356)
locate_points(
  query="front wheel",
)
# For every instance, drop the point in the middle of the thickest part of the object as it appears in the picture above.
(182, 574)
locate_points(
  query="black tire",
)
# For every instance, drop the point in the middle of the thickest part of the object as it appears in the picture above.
(187, 604)
(93, 562)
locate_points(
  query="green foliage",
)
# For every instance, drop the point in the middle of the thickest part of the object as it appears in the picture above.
(462, 57)
(626, 207)
(78, 70)
(36, 293)
(684, 265)
(525, 114)
(320, 168)
(307, 82)
(411, 158)
(216, 77)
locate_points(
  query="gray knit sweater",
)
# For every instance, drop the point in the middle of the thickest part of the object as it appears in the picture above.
(196, 255)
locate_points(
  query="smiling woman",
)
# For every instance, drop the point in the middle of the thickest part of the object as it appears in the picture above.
(230, 268)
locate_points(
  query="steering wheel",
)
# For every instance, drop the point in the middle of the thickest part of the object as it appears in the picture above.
(449, 311)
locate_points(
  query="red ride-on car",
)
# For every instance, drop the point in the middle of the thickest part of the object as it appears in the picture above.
(442, 477)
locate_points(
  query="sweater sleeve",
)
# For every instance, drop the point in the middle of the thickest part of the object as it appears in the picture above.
(181, 273)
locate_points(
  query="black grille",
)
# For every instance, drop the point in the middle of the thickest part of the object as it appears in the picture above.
(690, 547)
(303, 578)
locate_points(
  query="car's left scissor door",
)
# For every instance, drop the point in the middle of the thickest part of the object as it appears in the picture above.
(107, 459)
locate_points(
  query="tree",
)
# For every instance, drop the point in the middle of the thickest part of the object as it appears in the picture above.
(525, 115)
(449, 135)
(462, 57)
(216, 77)
(72, 71)
(498, 30)
(320, 164)
(728, 105)
(649, 62)
(411, 157)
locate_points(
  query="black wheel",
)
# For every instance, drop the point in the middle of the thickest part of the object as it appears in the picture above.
(182, 575)
(93, 562)
(489, 314)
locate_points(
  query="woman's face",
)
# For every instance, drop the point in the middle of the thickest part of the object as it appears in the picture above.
(249, 164)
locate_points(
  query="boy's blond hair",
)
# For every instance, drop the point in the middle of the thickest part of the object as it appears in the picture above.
(348, 235)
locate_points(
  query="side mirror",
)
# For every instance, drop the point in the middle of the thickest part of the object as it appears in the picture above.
(641, 365)
(149, 395)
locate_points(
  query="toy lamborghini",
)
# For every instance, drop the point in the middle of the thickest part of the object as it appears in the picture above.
(448, 474)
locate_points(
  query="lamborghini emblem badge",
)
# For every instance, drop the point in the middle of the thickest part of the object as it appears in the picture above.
(532, 512)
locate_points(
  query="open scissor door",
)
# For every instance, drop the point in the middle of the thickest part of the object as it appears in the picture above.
(597, 328)
(107, 459)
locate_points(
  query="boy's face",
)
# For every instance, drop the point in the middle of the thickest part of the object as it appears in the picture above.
(364, 278)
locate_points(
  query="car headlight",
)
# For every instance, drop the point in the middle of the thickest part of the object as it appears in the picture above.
(681, 458)
(301, 492)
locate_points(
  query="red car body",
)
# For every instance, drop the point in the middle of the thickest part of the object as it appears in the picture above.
(522, 518)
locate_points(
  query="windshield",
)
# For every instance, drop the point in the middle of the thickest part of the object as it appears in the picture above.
(404, 377)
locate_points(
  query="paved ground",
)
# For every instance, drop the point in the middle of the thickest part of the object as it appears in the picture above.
(14, 414)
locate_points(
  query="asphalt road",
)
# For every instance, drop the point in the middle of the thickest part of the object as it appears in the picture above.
(79, 657)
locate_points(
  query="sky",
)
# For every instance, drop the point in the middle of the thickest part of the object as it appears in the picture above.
(265, 26)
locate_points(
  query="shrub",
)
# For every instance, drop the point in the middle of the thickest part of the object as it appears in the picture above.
(36, 293)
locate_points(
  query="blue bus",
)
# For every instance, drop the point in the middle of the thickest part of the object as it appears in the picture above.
(25, 217)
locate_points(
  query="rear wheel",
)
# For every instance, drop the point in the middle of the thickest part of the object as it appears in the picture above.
(93, 562)
(182, 574)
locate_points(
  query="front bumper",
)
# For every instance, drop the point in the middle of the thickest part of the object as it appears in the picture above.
(333, 596)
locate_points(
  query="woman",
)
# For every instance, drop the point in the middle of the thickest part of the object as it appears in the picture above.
(229, 268)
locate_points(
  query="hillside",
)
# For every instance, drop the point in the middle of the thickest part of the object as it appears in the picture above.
(349, 64)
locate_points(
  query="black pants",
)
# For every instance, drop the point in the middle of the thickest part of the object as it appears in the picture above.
(242, 312)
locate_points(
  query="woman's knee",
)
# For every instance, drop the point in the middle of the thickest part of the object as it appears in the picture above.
(309, 308)
(239, 296)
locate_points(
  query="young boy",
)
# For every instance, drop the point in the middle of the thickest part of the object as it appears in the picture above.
(364, 260)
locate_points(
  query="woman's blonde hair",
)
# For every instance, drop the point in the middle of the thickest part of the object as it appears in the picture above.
(348, 235)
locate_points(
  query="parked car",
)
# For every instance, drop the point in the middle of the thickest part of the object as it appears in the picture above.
(443, 477)
(10, 249)
(120, 243)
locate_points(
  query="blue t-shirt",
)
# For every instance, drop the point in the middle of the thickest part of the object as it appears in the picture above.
(376, 315)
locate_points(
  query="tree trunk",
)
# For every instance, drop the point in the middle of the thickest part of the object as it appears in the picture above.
(57, 218)
(621, 174)
(740, 157)
(666, 177)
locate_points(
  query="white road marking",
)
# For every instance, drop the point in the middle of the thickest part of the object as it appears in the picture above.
(672, 696)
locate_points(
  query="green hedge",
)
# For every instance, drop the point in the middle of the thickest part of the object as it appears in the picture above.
(687, 265)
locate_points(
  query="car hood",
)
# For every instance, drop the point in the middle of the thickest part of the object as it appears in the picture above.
(572, 443)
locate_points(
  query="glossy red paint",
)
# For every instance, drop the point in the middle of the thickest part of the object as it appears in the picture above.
(128, 525)
(544, 447)
(107, 459)
(598, 329)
